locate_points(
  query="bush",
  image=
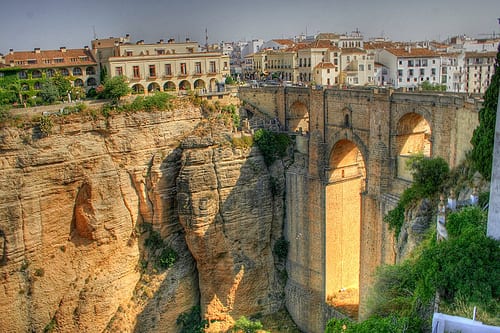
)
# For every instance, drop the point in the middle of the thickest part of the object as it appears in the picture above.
(246, 325)
(242, 142)
(191, 321)
(45, 125)
(429, 177)
(272, 145)
(392, 324)
(281, 248)
(166, 257)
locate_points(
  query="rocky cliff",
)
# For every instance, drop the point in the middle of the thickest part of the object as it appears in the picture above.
(79, 210)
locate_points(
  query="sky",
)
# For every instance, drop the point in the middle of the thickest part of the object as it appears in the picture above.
(50, 24)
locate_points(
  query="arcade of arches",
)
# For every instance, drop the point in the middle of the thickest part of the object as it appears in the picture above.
(347, 175)
(199, 85)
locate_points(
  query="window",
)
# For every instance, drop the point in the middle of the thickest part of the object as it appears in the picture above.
(36, 74)
(369, 67)
(168, 69)
(58, 60)
(78, 83)
(335, 61)
(225, 64)
(90, 71)
(422, 71)
(91, 82)
(348, 58)
(22, 75)
(50, 72)
(119, 71)
(137, 73)
(31, 61)
(37, 85)
(128, 53)
(401, 62)
(183, 68)
(77, 71)
(197, 67)
(64, 72)
(433, 71)
(410, 72)
(410, 63)
(212, 67)
(47, 61)
(152, 71)
(160, 51)
(361, 67)
(400, 72)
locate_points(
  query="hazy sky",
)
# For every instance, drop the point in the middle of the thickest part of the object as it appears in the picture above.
(50, 24)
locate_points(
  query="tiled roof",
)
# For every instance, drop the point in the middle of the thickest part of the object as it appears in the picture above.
(287, 42)
(325, 65)
(50, 58)
(480, 54)
(327, 35)
(412, 52)
(350, 50)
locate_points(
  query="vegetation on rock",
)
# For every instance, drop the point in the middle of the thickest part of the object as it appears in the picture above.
(464, 269)
(272, 145)
(429, 176)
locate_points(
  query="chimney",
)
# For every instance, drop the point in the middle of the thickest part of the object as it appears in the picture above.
(11, 51)
(86, 47)
(141, 42)
(63, 49)
(161, 41)
(171, 40)
(37, 50)
(187, 40)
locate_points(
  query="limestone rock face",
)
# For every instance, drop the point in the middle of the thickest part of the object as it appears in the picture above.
(226, 208)
(71, 206)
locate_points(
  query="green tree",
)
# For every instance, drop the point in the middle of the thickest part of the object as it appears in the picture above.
(62, 83)
(483, 138)
(49, 92)
(115, 88)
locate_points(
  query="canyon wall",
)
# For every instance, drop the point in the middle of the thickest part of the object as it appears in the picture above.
(80, 207)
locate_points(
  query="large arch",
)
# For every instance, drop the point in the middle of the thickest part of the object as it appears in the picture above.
(413, 136)
(298, 119)
(153, 87)
(184, 85)
(199, 84)
(213, 85)
(137, 89)
(169, 86)
(346, 183)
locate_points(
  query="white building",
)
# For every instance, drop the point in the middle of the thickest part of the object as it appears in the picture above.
(410, 67)
(251, 47)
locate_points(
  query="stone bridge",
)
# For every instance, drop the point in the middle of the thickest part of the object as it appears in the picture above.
(350, 152)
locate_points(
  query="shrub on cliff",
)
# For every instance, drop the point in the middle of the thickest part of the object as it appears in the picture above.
(271, 145)
(464, 270)
(246, 325)
(429, 176)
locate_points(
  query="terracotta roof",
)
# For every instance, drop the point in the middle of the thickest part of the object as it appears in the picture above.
(380, 45)
(351, 50)
(327, 35)
(325, 65)
(50, 58)
(491, 54)
(284, 42)
(412, 52)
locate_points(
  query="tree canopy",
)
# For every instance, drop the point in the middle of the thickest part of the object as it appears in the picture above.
(484, 135)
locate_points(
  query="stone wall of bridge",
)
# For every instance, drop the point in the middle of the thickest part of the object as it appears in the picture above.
(375, 121)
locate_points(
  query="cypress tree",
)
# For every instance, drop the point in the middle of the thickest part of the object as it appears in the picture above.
(484, 135)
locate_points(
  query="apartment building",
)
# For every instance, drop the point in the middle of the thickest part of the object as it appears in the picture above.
(480, 67)
(453, 71)
(357, 67)
(282, 64)
(33, 67)
(318, 62)
(170, 66)
(409, 67)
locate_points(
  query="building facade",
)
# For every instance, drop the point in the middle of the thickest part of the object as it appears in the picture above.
(33, 68)
(170, 66)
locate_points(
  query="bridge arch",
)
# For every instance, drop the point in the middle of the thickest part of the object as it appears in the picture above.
(346, 181)
(413, 136)
(298, 118)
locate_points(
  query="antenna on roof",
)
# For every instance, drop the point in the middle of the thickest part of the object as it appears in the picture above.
(206, 39)
(93, 29)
